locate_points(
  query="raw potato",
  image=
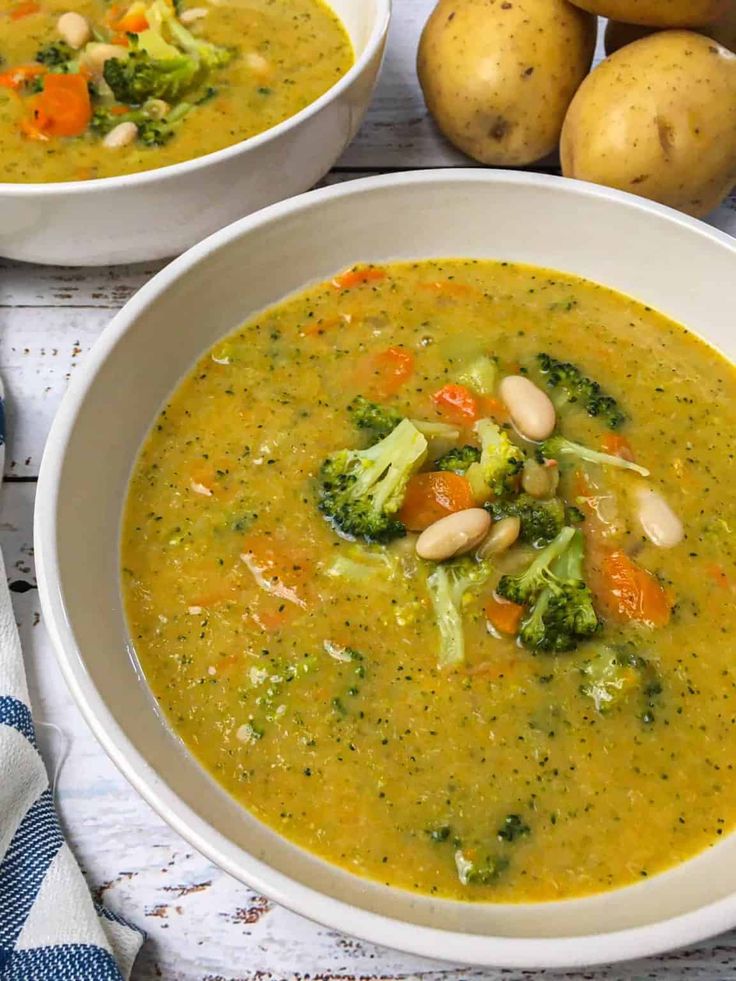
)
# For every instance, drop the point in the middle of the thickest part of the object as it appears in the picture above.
(658, 13)
(498, 75)
(722, 30)
(658, 118)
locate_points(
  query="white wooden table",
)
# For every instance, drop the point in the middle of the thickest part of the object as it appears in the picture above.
(202, 925)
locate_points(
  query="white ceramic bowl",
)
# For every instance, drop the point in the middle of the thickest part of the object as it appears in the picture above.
(672, 262)
(159, 213)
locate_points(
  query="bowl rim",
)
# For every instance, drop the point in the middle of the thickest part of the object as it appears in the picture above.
(432, 942)
(379, 30)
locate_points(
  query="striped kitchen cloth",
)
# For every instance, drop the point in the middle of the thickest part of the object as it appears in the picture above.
(50, 930)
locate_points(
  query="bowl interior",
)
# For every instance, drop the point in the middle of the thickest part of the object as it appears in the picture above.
(610, 238)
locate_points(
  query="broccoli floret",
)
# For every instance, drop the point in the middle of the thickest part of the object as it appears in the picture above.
(613, 673)
(380, 419)
(139, 77)
(479, 872)
(561, 605)
(525, 587)
(57, 53)
(459, 459)
(576, 387)
(162, 18)
(558, 446)
(448, 586)
(360, 491)
(500, 459)
(541, 521)
(151, 131)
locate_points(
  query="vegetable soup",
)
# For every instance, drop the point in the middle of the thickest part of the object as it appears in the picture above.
(104, 89)
(432, 567)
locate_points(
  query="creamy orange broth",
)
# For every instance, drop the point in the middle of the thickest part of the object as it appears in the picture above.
(304, 50)
(384, 764)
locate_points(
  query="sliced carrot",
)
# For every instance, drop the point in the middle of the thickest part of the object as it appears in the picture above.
(315, 328)
(629, 592)
(14, 78)
(24, 9)
(616, 445)
(504, 615)
(279, 568)
(457, 404)
(383, 374)
(718, 574)
(431, 496)
(64, 107)
(134, 22)
(120, 39)
(358, 276)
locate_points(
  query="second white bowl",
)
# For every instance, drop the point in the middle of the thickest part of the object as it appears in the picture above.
(159, 213)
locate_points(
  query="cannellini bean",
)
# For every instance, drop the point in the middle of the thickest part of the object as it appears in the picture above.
(193, 14)
(658, 521)
(540, 480)
(501, 537)
(96, 54)
(122, 135)
(74, 29)
(455, 534)
(530, 408)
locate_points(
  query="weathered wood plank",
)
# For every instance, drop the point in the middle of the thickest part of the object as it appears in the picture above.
(202, 924)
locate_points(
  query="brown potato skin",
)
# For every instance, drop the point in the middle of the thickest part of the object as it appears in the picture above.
(658, 13)
(722, 30)
(658, 118)
(498, 75)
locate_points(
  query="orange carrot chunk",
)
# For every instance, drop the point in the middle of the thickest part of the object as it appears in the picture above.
(384, 373)
(431, 496)
(64, 107)
(133, 22)
(504, 615)
(631, 593)
(617, 445)
(456, 404)
(21, 10)
(358, 277)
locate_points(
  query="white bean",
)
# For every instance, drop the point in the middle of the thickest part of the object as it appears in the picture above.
(455, 534)
(502, 536)
(658, 521)
(194, 13)
(530, 408)
(74, 29)
(122, 135)
(96, 54)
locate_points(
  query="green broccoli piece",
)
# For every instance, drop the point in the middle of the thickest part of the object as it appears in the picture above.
(557, 446)
(55, 54)
(561, 605)
(152, 131)
(448, 586)
(380, 419)
(541, 521)
(513, 828)
(525, 588)
(163, 19)
(459, 459)
(576, 387)
(500, 460)
(483, 872)
(360, 491)
(139, 77)
(614, 673)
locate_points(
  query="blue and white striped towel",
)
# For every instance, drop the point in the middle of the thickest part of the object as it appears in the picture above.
(50, 930)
